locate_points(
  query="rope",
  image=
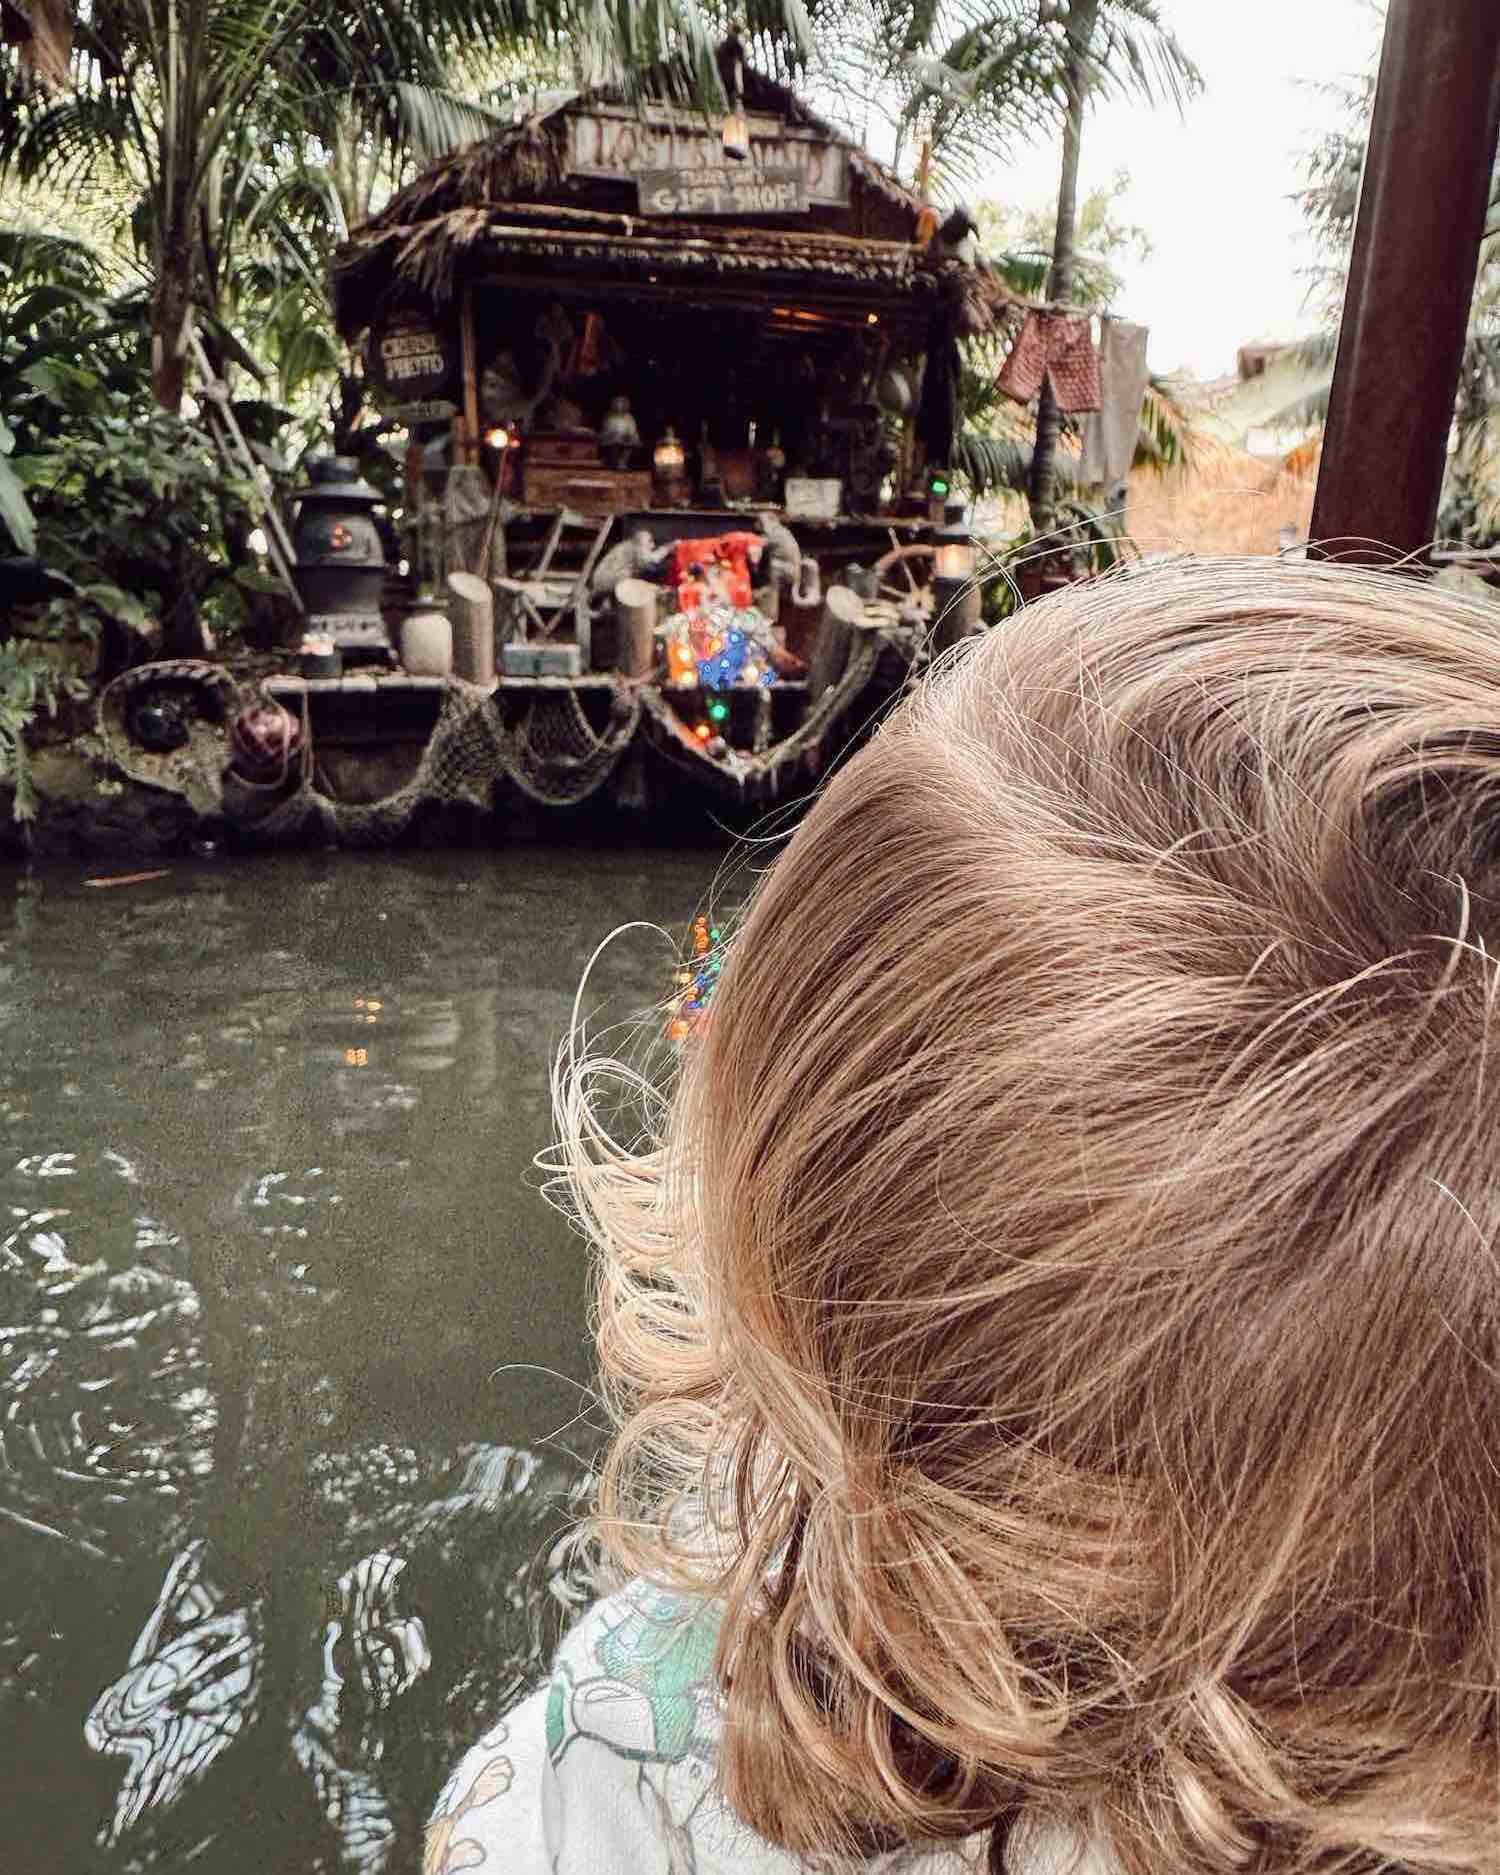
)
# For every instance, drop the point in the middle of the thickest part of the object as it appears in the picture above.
(761, 769)
(553, 753)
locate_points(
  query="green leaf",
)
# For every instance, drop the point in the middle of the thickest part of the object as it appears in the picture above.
(253, 580)
(15, 511)
(115, 602)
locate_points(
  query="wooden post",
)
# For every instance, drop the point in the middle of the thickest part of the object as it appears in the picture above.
(473, 627)
(470, 353)
(635, 626)
(843, 613)
(1422, 205)
(958, 611)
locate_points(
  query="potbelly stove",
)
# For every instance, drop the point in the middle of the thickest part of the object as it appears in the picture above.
(340, 559)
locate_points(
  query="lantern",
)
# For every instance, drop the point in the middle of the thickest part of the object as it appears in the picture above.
(954, 555)
(669, 460)
(670, 456)
(959, 605)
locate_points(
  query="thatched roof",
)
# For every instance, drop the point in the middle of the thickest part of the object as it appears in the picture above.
(524, 162)
(506, 205)
(546, 241)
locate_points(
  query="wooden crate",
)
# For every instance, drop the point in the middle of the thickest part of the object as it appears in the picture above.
(552, 449)
(587, 490)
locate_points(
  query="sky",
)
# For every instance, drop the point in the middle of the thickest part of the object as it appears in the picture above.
(1212, 187)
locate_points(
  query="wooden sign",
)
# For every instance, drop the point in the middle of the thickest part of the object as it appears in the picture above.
(626, 146)
(412, 358)
(419, 410)
(738, 189)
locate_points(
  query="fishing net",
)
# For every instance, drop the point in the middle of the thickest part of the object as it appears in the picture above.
(554, 754)
(758, 771)
(458, 768)
(557, 741)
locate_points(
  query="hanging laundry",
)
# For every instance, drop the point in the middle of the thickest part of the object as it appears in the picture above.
(1111, 432)
(1057, 349)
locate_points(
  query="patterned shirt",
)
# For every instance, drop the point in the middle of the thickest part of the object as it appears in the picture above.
(609, 1768)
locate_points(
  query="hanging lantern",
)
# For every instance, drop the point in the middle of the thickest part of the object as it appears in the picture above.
(953, 556)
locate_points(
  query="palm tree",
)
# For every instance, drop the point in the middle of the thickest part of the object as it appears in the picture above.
(199, 103)
(1118, 42)
(973, 76)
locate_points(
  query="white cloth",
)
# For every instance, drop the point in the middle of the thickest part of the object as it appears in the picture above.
(1111, 431)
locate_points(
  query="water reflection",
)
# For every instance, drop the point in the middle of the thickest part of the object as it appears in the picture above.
(190, 1688)
(284, 1336)
(80, 1443)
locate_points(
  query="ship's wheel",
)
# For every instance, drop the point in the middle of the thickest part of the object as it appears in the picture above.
(904, 579)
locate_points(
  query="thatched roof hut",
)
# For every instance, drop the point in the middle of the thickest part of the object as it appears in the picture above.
(580, 188)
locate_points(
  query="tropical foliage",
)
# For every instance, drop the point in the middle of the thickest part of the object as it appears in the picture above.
(187, 181)
(959, 80)
(995, 446)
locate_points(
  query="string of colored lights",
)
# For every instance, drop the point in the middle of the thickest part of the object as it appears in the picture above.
(695, 983)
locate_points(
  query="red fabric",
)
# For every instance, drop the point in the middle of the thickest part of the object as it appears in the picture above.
(729, 554)
(1056, 348)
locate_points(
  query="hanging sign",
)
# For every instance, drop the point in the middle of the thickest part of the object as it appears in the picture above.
(412, 358)
(727, 189)
(420, 410)
(624, 146)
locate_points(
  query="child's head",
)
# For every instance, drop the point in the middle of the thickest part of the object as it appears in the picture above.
(1069, 1273)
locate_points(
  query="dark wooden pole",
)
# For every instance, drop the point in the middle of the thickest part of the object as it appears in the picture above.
(1422, 205)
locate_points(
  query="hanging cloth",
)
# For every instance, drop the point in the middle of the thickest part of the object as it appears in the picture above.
(1110, 433)
(1057, 349)
(43, 29)
(937, 413)
(594, 351)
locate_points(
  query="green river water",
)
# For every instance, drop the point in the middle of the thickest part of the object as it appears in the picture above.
(290, 1344)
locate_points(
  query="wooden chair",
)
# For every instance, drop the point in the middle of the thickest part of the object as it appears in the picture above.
(540, 603)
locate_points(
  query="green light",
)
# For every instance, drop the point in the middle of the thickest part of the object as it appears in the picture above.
(718, 711)
(939, 486)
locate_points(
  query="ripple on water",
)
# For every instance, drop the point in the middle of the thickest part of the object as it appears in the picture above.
(274, 1276)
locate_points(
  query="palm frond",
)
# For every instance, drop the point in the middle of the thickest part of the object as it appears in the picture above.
(434, 120)
(988, 463)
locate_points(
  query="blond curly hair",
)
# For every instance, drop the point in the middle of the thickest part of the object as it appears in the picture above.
(1058, 1317)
